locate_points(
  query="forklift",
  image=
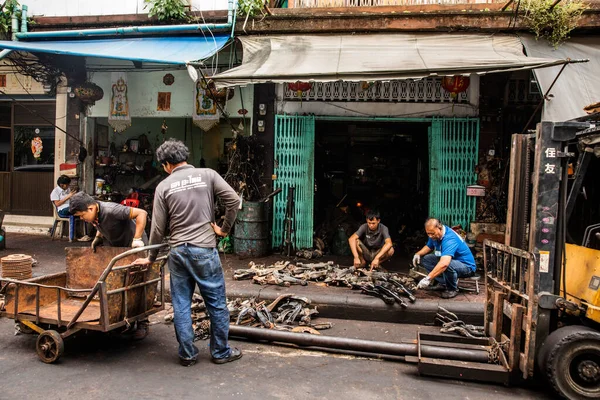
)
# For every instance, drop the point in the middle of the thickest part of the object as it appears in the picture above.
(542, 314)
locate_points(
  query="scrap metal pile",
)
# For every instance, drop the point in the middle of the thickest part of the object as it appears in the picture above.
(451, 324)
(287, 312)
(389, 287)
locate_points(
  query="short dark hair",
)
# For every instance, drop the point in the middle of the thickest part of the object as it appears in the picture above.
(80, 202)
(63, 180)
(373, 214)
(433, 221)
(172, 151)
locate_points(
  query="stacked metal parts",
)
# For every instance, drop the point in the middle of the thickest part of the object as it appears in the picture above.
(16, 266)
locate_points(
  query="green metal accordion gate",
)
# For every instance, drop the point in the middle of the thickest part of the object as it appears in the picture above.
(294, 166)
(453, 149)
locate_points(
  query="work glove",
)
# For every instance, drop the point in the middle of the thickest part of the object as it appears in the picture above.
(416, 260)
(423, 283)
(137, 243)
(96, 242)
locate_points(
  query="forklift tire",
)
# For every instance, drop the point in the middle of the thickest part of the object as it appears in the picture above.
(570, 358)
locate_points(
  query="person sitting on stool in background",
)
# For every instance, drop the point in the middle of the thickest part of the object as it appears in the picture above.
(60, 196)
(116, 227)
(371, 244)
(452, 259)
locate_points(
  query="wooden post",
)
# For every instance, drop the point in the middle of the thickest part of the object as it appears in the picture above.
(496, 329)
(516, 329)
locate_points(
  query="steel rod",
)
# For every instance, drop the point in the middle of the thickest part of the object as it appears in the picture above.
(367, 346)
(544, 97)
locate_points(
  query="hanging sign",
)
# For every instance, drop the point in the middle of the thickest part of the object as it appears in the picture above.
(206, 114)
(118, 115)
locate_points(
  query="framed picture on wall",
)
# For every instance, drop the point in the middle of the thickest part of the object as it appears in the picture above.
(102, 137)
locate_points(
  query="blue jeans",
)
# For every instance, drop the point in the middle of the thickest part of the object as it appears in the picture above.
(449, 278)
(64, 213)
(190, 266)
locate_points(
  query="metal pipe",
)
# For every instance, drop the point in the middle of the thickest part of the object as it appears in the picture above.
(232, 14)
(365, 346)
(14, 25)
(130, 30)
(24, 18)
(4, 53)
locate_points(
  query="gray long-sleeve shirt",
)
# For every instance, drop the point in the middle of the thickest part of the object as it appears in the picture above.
(185, 200)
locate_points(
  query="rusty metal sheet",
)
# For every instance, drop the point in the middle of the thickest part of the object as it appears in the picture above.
(68, 309)
(84, 267)
(28, 294)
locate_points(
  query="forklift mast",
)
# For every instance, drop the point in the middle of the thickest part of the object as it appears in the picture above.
(545, 198)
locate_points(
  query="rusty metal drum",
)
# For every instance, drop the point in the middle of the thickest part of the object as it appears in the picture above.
(251, 232)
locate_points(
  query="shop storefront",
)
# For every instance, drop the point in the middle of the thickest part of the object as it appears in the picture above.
(160, 105)
(390, 121)
(27, 141)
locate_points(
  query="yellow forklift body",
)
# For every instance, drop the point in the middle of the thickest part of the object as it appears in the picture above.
(583, 278)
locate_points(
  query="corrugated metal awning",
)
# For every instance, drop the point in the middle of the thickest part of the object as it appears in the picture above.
(578, 85)
(165, 50)
(376, 57)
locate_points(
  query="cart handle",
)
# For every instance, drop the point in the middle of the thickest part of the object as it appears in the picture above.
(107, 271)
(43, 286)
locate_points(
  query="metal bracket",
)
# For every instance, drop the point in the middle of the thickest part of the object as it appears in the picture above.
(566, 131)
(548, 300)
(553, 302)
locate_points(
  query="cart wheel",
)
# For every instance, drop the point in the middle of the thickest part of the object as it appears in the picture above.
(571, 359)
(24, 329)
(49, 346)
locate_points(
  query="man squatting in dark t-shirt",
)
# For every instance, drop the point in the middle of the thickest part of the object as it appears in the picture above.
(371, 244)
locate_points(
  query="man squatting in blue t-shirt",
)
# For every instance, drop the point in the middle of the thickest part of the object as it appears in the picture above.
(452, 259)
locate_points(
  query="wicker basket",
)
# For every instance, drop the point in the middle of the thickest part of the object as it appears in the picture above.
(16, 266)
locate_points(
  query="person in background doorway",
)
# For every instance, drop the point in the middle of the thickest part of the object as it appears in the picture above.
(185, 202)
(117, 226)
(452, 259)
(371, 244)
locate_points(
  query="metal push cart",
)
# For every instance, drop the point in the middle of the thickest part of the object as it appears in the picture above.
(87, 296)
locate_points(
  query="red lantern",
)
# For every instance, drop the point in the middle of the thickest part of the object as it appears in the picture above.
(455, 84)
(300, 87)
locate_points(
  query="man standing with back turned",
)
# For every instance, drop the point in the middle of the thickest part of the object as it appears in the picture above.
(186, 200)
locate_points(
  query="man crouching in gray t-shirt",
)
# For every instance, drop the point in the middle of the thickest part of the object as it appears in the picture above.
(371, 244)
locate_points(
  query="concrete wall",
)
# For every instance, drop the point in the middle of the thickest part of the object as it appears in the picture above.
(143, 94)
(72, 8)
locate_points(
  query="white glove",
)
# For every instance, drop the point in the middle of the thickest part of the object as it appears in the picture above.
(137, 243)
(423, 283)
(416, 260)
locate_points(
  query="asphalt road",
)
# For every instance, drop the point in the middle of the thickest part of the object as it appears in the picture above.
(114, 367)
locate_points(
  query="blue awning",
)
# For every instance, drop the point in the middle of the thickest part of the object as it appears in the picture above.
(165, 50)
